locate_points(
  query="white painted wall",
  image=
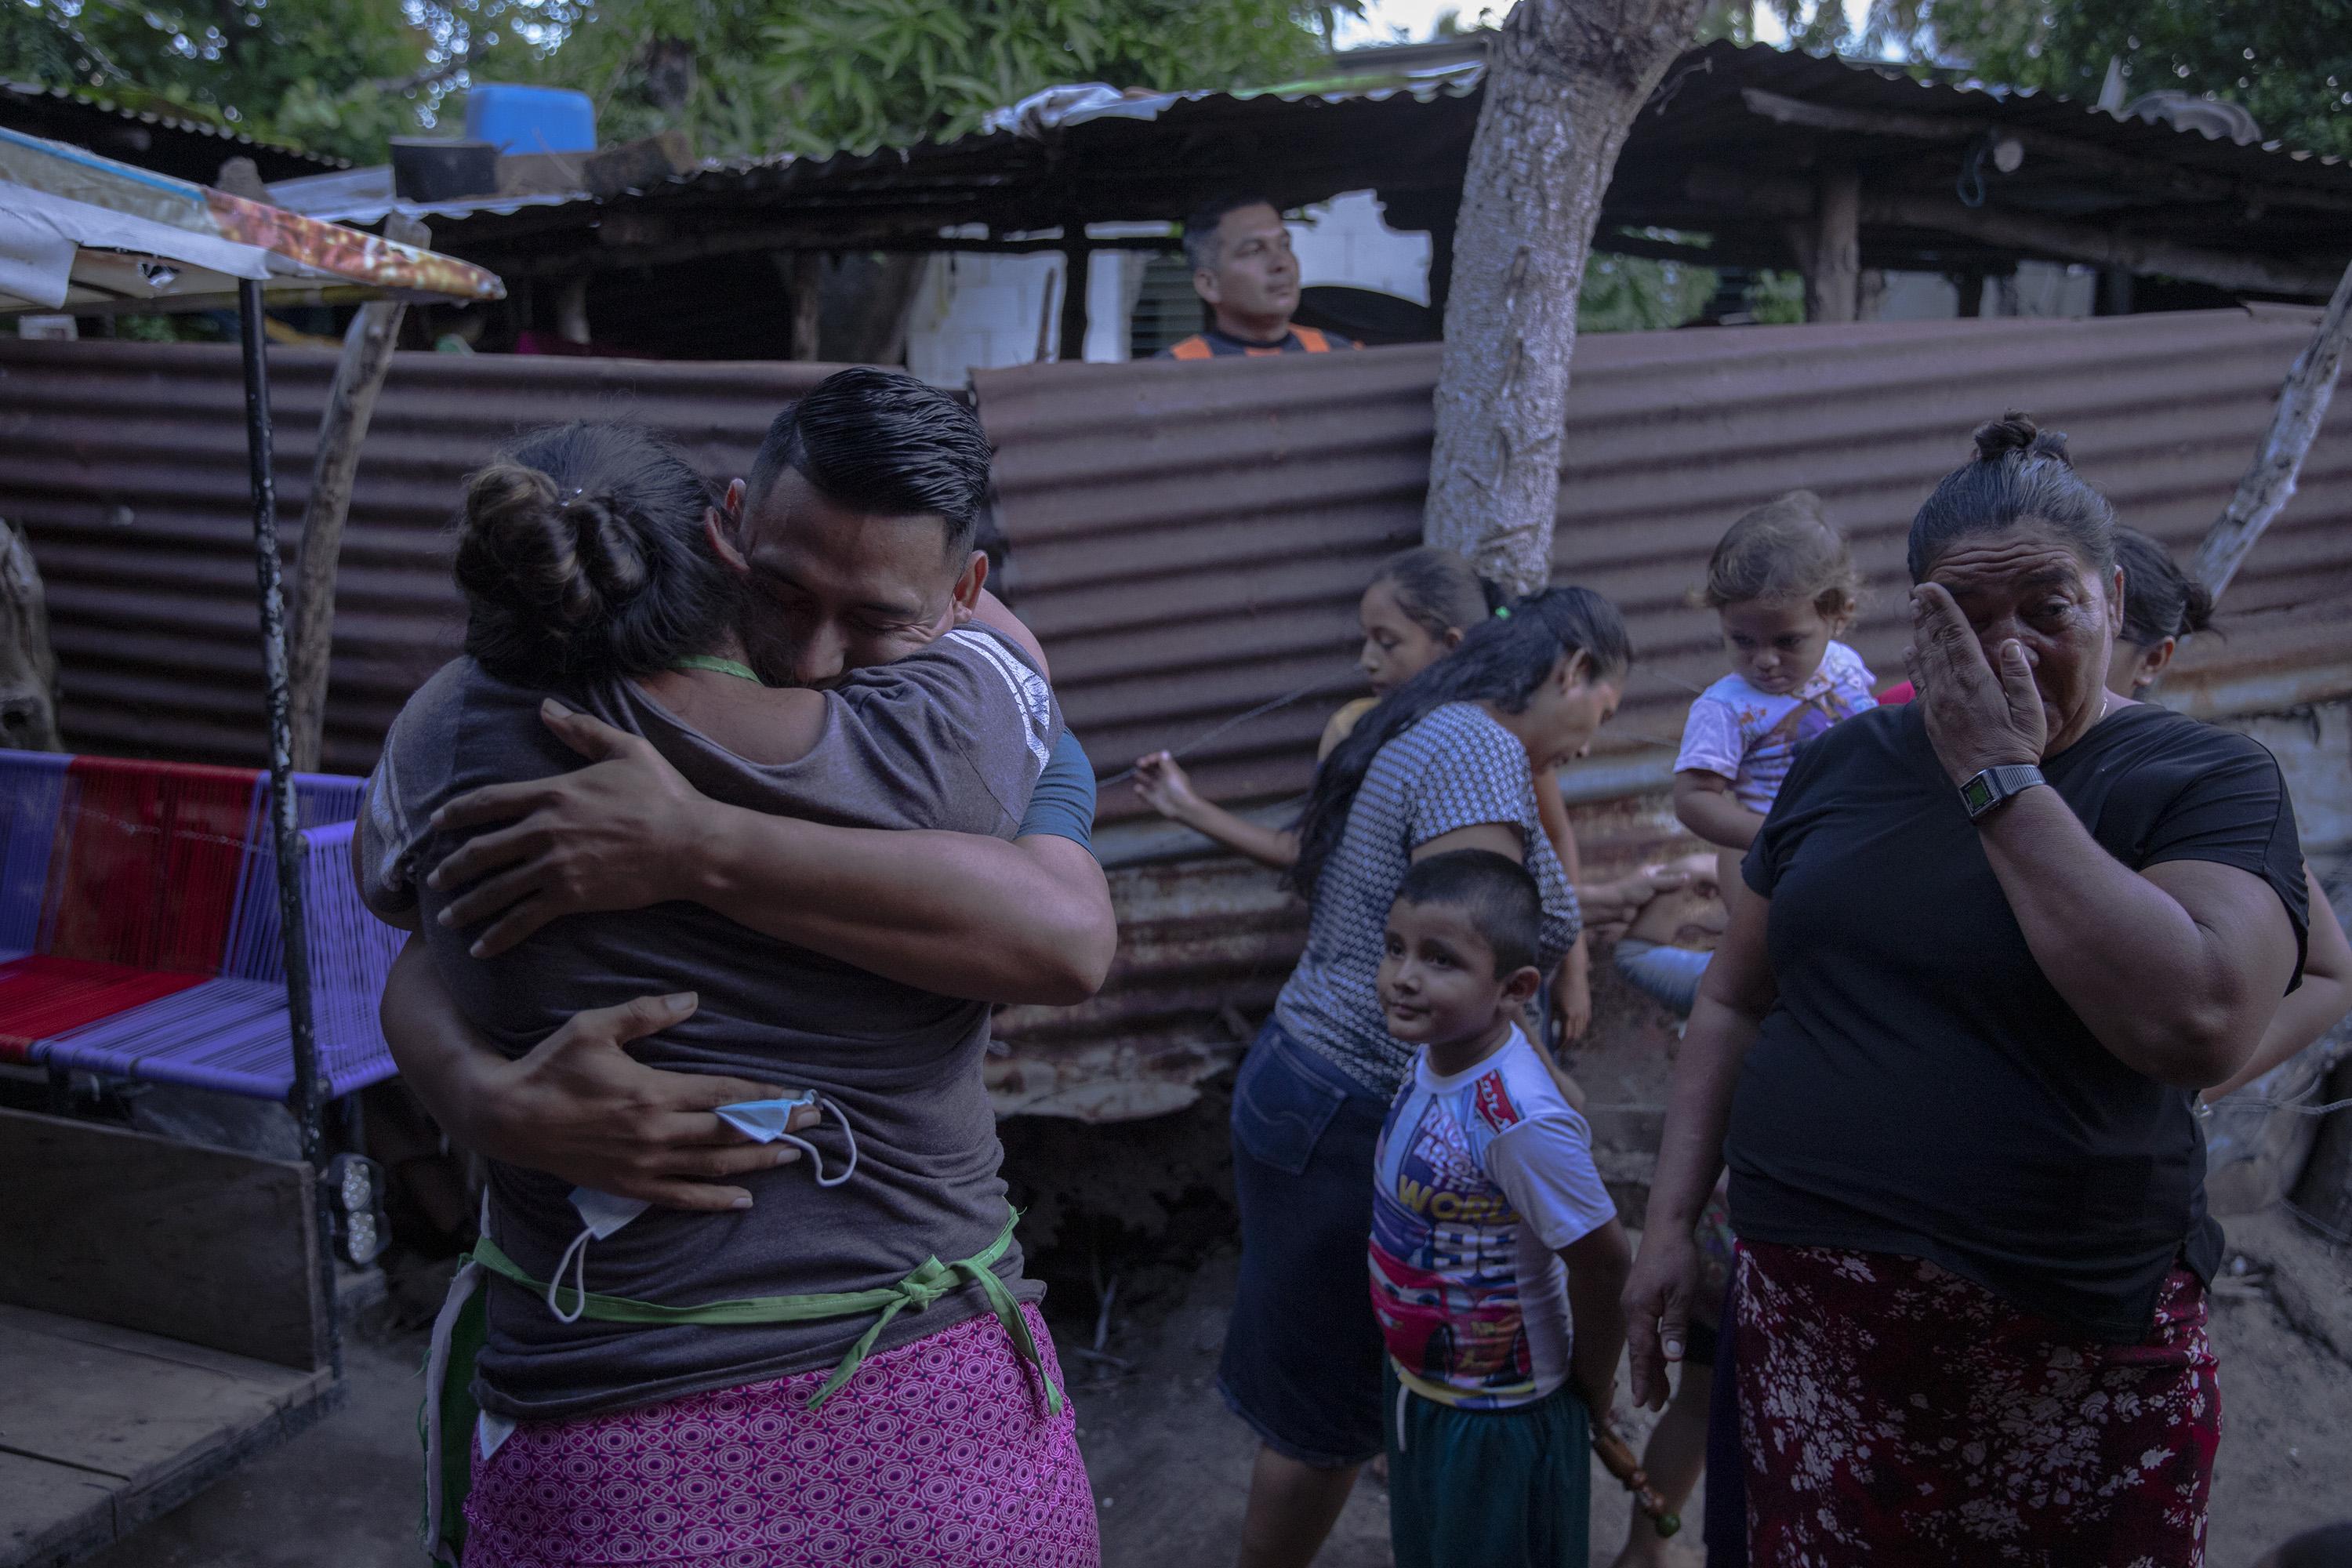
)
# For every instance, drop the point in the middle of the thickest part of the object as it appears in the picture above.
(1346, 241)
(978, 311)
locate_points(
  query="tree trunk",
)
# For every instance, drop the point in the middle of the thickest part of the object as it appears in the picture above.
(342, 429)
(2268, 483)
(28, 668)
(1564, 81)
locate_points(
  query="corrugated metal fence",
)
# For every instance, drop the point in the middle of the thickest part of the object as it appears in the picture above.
(1189, 541)
(125, 462)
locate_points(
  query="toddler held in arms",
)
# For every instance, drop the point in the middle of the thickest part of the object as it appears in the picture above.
(1785, 587)
(1496, 1256)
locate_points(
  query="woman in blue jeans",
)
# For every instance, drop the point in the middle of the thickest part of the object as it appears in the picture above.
(1442, 763)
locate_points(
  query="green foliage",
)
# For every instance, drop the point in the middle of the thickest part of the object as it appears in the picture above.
(2288, 61)
(1635, 294)
(1776, 299)
(744, 78)
(329, 74)
(859, 74)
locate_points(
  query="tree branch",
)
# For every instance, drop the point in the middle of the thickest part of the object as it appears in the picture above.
(2268, 483)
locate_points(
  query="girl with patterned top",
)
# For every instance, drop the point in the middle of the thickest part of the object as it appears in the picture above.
(1444, 762)
(1417, 609)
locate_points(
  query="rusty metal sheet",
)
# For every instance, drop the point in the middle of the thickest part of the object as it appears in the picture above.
(125, 463)
(1189, 541)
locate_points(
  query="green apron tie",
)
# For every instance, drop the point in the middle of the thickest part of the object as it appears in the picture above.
(734, 666)
(917, 1290)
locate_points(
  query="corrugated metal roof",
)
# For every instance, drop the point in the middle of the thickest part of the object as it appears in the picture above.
(1189, 542)
(186, 149)
(1093, 154)
(125, 462)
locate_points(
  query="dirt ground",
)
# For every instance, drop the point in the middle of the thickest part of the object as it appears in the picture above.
(1169, 1464)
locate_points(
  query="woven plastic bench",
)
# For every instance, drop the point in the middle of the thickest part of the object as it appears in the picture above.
(138, 926)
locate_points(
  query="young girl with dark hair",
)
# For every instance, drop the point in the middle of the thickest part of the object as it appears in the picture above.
(748, 1385)
(1416, 610)
(1445, 762)
(2163, 609)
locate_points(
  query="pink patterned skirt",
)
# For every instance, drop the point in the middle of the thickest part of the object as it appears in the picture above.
(1896, 1412)
(939, 1452)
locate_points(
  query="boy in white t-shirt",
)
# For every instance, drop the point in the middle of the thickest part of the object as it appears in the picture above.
(1496, 1256)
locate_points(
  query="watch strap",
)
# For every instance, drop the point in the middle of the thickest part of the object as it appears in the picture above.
(1988, 790)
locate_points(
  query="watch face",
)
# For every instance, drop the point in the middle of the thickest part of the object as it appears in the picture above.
(1977, 794)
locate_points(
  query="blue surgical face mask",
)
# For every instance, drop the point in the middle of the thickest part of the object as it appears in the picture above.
(602, 1214)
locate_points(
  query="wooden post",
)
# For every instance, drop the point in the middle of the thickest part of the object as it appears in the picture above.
(343, 429)
(1971, 282)
(1829, 248)
(1072, 344)
(807, 281)
(2268, 483)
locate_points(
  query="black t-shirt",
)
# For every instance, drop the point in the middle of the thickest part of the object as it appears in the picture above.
(1921, 1088)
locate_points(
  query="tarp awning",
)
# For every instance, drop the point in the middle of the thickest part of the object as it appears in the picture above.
(87, 235)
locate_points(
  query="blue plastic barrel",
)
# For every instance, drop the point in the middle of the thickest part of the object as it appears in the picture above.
(518, 119)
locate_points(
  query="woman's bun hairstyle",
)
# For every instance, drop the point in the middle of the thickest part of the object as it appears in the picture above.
(2018, 473)
(2015, 432)
(580, 553)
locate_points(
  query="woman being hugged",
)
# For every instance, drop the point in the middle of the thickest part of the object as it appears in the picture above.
(2002, 935)
(1444, 762)
(824, 1372)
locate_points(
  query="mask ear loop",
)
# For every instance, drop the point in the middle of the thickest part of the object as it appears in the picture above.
(817, 1157)
(575, 1257)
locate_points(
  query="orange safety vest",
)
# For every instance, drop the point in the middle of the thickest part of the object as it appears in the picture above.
(1310, 340)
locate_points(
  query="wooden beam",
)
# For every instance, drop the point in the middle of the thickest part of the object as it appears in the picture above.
(2268, 483)
(2070, 241)
(343, 430)
(2169, 179)
(796, 237)
(2004, 229)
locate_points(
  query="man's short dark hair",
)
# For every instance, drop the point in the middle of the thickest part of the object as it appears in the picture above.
(1495, 891)
(1201, 245)
(880, 441)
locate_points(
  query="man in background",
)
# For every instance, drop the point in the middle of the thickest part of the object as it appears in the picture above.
(1243, 271)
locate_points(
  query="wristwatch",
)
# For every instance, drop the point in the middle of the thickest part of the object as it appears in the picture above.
(1984, 793)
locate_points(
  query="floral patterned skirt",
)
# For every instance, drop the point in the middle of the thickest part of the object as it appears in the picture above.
(937, 1453)
(1896, 1412)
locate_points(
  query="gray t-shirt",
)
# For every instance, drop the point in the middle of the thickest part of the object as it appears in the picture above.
(953, 738)
(1456, 767)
